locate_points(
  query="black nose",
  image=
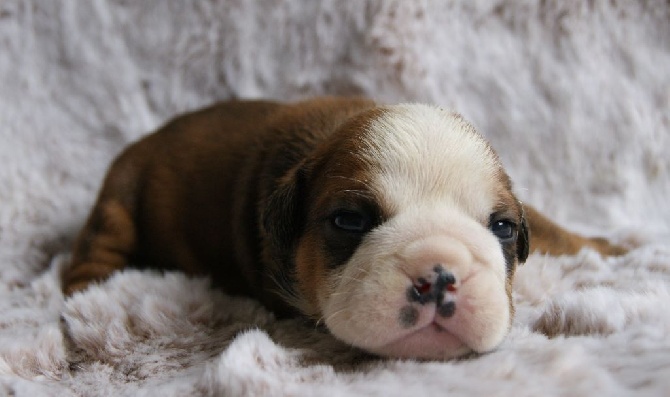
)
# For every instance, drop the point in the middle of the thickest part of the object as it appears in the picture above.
(433, 289)
(444, 278)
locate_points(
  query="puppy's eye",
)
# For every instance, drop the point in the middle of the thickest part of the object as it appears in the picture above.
(351, 221)
(504, 230)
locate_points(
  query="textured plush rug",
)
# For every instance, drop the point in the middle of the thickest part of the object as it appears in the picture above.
(574, 95)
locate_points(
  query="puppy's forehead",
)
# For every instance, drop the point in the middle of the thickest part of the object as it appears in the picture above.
(423, 155)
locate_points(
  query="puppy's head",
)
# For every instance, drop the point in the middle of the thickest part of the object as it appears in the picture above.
(403, 234)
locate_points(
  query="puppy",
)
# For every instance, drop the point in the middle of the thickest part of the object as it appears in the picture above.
(395, 226)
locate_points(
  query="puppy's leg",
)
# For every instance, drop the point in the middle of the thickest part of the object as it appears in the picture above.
(549, 238)
(109, 237)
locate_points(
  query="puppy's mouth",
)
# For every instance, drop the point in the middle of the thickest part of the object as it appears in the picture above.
(434, 300)
(430, 337)
(443, 320)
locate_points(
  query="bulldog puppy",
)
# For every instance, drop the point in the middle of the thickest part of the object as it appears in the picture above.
(395, 226)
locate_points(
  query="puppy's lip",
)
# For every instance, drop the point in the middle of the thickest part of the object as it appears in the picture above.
(430, 338)
(426, 341)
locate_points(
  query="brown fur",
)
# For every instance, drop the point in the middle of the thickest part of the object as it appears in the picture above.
(221, 191)
(550, 238)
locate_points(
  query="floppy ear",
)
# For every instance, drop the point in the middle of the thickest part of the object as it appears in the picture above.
(282, 217)
(523, 241)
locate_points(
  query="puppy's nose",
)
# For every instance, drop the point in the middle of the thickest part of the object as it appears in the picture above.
(434, 288)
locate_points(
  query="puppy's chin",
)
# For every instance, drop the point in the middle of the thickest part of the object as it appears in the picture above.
(416, 288)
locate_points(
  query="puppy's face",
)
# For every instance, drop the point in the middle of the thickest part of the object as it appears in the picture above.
(408, 237)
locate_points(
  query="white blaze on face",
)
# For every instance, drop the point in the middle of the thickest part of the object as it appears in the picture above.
(428, 154)
(438, 179)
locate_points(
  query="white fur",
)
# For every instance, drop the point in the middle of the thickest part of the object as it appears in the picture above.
(363, 307)
(437, 178)
(431, 156)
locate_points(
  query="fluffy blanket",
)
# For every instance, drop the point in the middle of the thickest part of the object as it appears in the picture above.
(574, 95)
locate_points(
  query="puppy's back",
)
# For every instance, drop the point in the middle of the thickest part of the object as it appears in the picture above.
(187, 196)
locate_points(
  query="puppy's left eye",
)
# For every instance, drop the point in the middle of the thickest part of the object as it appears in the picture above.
(504, 230)
(351, 221)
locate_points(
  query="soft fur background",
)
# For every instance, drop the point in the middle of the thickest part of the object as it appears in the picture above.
(575, 96)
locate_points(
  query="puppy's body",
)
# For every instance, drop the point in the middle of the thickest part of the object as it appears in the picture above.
(396, 226)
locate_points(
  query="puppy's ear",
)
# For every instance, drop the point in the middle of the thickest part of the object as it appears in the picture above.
(282, 217)
(523, 241)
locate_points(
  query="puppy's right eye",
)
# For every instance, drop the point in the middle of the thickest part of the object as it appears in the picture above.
(351, 221)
